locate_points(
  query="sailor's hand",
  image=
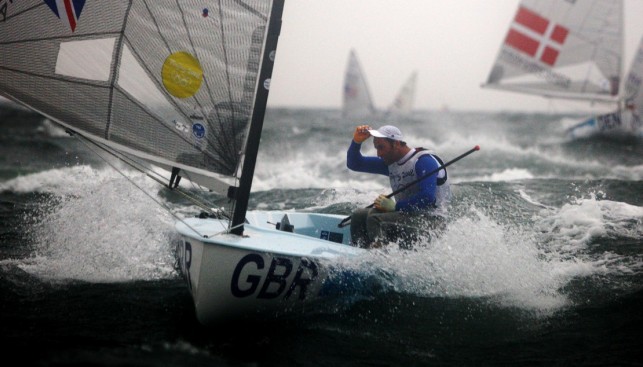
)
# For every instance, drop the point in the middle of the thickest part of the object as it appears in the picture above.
(361, 134)
(384, 204)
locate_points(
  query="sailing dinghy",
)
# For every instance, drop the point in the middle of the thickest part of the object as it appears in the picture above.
(572, 50)
(402, 105)
(356, 101)
(181, 85)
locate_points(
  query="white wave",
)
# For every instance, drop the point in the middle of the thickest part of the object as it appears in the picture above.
(633, 173)
(509, 174)
(543, 152)
(477, 257)
(62, 181)
(66, 181)
(357, 197)
(301, 170)
(578, 223)
(52, 129)
(531, 200)
(98, 228)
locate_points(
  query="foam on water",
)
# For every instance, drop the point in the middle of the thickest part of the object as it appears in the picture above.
(544, 160)
(632, 173)
(358, 197)
(504, 159)
(477, 257)
(523, 265)
(531, 200)
(509, 174)
(60, 181)
(301, 170)
(574, 226)
(52, 129)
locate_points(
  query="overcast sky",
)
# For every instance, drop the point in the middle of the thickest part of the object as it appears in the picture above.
(452, 44)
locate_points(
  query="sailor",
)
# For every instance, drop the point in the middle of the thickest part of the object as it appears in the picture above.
(417, 208)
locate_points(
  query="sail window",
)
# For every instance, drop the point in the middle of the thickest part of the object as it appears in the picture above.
(87, 59)
(135, 81)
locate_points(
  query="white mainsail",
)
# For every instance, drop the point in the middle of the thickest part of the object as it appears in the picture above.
(403, 102)
(633, 81)
(562, 48)
(174, 82)
(357, 100)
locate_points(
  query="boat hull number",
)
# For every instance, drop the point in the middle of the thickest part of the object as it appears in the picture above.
(270, 281)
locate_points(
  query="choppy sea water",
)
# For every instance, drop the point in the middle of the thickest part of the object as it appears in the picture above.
(540, 264)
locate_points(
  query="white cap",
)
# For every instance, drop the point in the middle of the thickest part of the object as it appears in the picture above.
(387, 131)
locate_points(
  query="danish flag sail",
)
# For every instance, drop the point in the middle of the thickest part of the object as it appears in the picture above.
(562, 48)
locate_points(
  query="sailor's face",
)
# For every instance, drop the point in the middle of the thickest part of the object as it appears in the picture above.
(385, 150)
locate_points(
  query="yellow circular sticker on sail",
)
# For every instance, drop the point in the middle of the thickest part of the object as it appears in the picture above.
(182, 74)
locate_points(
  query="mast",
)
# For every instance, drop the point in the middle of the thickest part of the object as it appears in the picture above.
(620, 105)
(242, 193)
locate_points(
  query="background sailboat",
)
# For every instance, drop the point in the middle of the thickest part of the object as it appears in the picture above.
(564, 49)
(402, 105)
(357, 101)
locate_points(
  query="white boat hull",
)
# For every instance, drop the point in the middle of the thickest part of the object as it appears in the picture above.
(265, 273)
(617, 124)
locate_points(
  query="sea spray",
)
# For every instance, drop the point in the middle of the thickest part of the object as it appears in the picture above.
(100, 228)
(477, 257)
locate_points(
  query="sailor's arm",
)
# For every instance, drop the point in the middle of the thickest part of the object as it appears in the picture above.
(357, 162)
